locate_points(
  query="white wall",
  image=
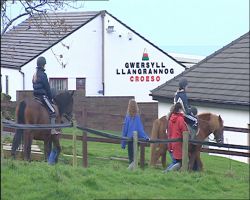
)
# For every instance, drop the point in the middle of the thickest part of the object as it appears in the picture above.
(82, 59)
(119, 50)
(15, 81)
(233, 118)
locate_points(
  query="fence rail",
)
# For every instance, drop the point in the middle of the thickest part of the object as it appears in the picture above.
(110, 138)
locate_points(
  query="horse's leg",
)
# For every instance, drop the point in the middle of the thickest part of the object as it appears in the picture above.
(199, 163)
(56, 144)
(47, 146)
(16, 142)
(153, 158)
(157, 154)
(192, 157)
(163, 156)
(27, 146)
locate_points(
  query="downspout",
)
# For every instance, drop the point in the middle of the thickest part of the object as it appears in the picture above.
(20, 70)
(103, 50)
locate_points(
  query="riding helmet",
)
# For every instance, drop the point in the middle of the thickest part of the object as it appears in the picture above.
(194, 110)
(41, 61)
(183, 83)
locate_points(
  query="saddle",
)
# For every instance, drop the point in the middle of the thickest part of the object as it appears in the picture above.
(43, 104)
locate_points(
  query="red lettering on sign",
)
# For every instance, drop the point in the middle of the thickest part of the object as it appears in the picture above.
(144, 78)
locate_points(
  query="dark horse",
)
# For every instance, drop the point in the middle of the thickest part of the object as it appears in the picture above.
(31, 111)
(207, 123)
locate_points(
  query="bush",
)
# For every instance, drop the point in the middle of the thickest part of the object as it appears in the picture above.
(5, 97)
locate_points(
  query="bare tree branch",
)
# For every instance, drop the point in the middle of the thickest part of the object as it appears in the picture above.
(30, 7)
(11, 21)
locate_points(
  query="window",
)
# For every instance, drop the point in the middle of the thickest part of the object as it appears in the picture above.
(80, 83)
(59, 83)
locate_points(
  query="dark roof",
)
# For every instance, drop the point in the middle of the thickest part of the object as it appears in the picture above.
(38, 33)
(222, 77)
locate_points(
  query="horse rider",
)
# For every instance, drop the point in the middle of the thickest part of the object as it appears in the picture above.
(190, 112)
(42, 89)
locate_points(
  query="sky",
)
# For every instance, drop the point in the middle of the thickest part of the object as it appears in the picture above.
(197, 27)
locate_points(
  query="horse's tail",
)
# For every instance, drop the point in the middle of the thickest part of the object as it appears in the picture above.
(19, 132)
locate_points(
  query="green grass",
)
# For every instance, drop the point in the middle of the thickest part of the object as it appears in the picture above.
(110, 179)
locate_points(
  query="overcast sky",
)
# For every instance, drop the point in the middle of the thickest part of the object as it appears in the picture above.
(183, 26)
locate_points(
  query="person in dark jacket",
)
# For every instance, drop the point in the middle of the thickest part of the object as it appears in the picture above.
(190, 112)
(132, 122)
(41, 88)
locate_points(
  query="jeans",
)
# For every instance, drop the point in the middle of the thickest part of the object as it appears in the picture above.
(172, 159)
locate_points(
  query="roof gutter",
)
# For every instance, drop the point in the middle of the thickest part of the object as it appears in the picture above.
(23, 75)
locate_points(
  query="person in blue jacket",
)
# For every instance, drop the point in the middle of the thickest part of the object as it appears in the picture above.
(132, 122)
(41, 89)
(190, 112)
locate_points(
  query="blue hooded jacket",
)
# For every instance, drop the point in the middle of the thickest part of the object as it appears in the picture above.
(181, 95)
(41, 85)
(130, 125)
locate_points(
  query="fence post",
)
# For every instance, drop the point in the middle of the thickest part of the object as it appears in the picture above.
(142, 155)
(185, 158)
(74, 149)
(84, 149)
(135, 147)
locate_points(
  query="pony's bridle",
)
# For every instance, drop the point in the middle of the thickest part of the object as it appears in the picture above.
(219, 139)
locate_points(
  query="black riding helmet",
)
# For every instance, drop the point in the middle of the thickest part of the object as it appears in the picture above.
(194, 110)
(41, 61)
(183, 83)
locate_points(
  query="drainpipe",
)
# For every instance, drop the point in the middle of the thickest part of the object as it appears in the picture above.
(20, 70)
(103, 50)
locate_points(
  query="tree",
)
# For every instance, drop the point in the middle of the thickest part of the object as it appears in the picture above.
(29, 8)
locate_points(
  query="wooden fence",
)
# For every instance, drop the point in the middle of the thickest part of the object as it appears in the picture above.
(117, 140)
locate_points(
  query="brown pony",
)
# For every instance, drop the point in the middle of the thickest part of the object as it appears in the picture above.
(207, 123)
(159, 150)
(31, 111)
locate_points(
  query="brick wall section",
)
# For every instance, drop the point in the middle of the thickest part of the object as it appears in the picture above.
(105, 113)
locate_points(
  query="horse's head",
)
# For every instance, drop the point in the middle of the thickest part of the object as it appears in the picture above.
(219, 130)
(211, 123)
(64, 102)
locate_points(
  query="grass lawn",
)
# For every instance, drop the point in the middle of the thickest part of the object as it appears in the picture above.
(110, 179)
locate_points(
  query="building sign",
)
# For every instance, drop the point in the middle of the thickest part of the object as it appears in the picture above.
(145, 70)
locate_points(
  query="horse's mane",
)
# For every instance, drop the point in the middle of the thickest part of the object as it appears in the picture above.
(62, 99)
(211, 118)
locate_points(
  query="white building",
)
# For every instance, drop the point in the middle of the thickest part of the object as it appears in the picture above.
(93, 50)
(218, 84)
